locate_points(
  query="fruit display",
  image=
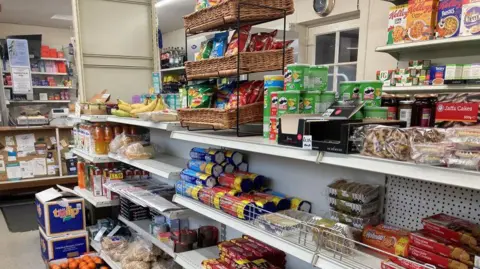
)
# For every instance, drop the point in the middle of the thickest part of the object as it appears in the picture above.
(90, 261)
(126, 109)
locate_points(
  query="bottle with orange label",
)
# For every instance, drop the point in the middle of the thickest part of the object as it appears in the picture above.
(99, 140)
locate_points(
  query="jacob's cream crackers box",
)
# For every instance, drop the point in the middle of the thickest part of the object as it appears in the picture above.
(60, 213)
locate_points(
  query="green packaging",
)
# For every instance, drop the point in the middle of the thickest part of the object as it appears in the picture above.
(295, 77)
(267, 99)
(326, 100)
(318, 78)
(311, 102)
(200, 96)
(266, 127)
(376, 112)
(368, 91)
(288, 102)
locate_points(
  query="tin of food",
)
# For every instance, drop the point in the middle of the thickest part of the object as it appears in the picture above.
(257, 180)
(274, 103)
(295, 77)
(198, 178)
(205, 167)
(263, 206)
(311, 102)
(238, 207)
(187, 189)
(349, 90)
(296, 203)
(243, 166)
(211, 197)
(288, 102)
(233, 157)
(318, 78)
(208, 155)
(371, 92)
(228, 167)
(234, 181)
(280, 203)
(273, 81)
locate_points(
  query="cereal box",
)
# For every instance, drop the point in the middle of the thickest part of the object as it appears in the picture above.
(421, 19)
(470, 24)
(449, 17)
(397, 24)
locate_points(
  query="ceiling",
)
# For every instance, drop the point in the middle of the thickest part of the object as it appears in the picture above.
(170, 13)
(35, 12)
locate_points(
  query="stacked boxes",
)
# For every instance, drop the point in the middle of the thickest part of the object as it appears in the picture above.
(61, 220)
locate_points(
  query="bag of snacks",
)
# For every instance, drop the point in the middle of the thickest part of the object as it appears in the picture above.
(261, 41)
(135, 151)
(430, 153)
(207, 49)
(464, 138)
(241, 98)
(278, 44)
(219, 44)
(223, 94)
(200, 96)
(255, 93)
(383, 142)
(242, 35)
(463, 159)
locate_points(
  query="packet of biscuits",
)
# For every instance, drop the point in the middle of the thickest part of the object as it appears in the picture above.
(385, 238)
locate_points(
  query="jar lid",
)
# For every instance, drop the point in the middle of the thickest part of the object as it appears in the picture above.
(406, 102)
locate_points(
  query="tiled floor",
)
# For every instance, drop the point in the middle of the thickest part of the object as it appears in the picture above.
(19, 250)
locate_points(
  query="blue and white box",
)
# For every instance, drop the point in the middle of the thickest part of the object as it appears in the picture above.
(66, 246)
(60, 213)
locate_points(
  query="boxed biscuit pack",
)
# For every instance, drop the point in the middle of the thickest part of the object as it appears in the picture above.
(457, 110)
(470, 24)
(449, 17)
(454, 229)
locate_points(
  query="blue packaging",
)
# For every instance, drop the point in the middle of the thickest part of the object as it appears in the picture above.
(58, 215)
(67, 246)
(449, 18)
(219, 45)
(205, 167)
(233, 157)
(437, 75)
(198, 178)
(187, 189)
(208, 155)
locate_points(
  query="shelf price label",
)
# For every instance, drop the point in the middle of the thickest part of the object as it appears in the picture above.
(307, 142)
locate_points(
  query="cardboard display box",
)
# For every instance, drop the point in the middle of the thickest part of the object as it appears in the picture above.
(60, 213)
(66, 246)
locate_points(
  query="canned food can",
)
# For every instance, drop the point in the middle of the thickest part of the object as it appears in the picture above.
(233, 157)
(198, 178)
(208, 155)
(188, 189)
(238, 207)
(205, 167)
(273, 104)
(227, 167)
(263, 206)
(295, 77)
(273, 81)
(311, 102)
(238, 182)
(257, 180)
(288, 102)
(318, 78)
(280, 203)
(296, 203)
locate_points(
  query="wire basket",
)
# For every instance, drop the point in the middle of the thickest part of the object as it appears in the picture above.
(224, 14)
(220, 118)
(250, 62)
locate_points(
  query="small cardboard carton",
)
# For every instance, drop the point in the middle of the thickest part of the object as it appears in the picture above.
(66, 246)
(60, 213)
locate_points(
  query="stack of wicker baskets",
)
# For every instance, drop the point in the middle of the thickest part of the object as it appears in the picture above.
(224, 16)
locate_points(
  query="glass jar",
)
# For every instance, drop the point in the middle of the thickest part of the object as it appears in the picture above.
(423, 110)
(405, 111)
(391, 103)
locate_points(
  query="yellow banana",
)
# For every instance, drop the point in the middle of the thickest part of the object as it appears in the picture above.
(125, 107)
(119, 101)
(134, 106)
(146, 101)
(160, 104)
(146, 108)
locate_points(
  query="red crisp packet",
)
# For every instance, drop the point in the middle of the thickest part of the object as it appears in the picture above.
(278, 44)
(215, 264)
(233, 47)
(254, 91)
(242, 95)
(261, 41)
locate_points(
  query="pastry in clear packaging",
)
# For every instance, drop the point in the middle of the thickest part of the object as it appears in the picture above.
(464, 138)
(278, 224)
(136, 151)
(357, 222)
(463, 159)
(353, 191)
(354, 209)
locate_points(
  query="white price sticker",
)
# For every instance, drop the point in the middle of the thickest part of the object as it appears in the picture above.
(307, 142)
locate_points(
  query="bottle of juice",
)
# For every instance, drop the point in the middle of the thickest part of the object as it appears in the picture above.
(108, 137)
(117, 129)
(81, 174)
(99, 138)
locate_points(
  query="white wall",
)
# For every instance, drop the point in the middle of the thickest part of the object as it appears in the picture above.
(174, 38)
(53, 37)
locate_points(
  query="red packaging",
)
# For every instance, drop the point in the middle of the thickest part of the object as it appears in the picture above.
(237, 182)
(261, 41)
(273, 251)
(238, 207)
(241, 98)
(454, 229)
(250, 247)
(265, 253)
(392, 229)
(145, 174)
(263, 264)
(441, 246)
(137, 174)
(390, 265)
(278, 44)
(215, 264)
(211, 196)
(254, 91)
(235, 252)
(237, 264)
(129, 174)
(434, 259)
(406, 263)
(233, 47)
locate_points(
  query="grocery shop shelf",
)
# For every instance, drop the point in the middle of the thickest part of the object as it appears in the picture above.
(8, 86)
(193, 259)
(173, 69)
(98, 247)
(94, 158)
(49, 74)
(52, 87)
(165, 166)
(433, 89)
(449, 45)
(90, 118)
(53, 59)
(37, 182)
(96, 201)
(40, 101)
(142, 228)
(325, 259)
(449, 176)
(168, 126)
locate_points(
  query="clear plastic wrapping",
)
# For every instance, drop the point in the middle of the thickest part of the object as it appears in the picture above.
(353, 191)
(115, 247)
(463, 159)
(136, 151)
(383, 142)
(464, 138)
(430, 153)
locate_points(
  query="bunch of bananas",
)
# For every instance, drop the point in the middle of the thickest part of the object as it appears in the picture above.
(131, 110)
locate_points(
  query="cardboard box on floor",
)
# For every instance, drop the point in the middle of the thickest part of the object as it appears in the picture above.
(66, 246)
(60, 212)
(18, 161)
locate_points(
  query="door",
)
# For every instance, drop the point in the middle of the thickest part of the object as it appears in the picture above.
(335, 45)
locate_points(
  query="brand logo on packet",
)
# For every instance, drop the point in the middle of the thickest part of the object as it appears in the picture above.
(67, 213)
(373, 235)
(39, 210)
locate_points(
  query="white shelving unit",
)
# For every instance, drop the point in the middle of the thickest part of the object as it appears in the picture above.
(168, 126)
(49, 74)
(8, 86)
(193, 259)
(165, 166)
(142, 228)
(432, 89)
(94, 200)
(94, 158)
(98, 247)
(173, 69)
(53, 59)
(40, 101)
(52, 87)
(91, 118)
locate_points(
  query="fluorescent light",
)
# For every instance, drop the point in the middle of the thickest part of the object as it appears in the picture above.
(62, 17)
(163, 3)
(352, 48)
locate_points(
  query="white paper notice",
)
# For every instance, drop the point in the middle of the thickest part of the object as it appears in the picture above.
(52, 170)
(21, 154)
(40, 167)
(27, 169)
(14, 171)
(2, 166)
(9, 141)
(25, 142)
(53, 140)
(22, 80)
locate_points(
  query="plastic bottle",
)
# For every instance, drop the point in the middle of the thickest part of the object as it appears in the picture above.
(108, 136)
(117, 130)
(99, 139)
(173, 56)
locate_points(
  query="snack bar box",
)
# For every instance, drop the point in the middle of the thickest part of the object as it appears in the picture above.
(66, 246)
(60, 213)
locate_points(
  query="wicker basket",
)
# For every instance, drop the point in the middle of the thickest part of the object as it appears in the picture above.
(224, 15)
(220, 118)
(250, 62)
